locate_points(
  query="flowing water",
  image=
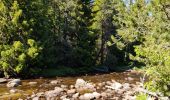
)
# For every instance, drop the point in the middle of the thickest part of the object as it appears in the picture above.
(43, 84)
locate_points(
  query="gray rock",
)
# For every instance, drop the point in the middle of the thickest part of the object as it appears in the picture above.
(35, 98)
(83, 85)
(3, 80)
(17, 81)
(40, 94)
(64, 86)
(115, 86)
(104, 94)
(13, 90)
(108, 90)
(97, 87)
(164, 98)
(90, 86)
(55, 82)
(80, 83)
(10, 85)
(14, 83)
(52, 93)
(75, 96)
(121, 91)
(109, 83)
(72, 91)
(32, 83)
(63, 97)
(126, 86)
(129, 79)
(100, 84)
(20, 99)
(115, 98)
(72, 87)
(90, 96)
(96, 95)
(87, 96)
(59, 89)
(127, 97)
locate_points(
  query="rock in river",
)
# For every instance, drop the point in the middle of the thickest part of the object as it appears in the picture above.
(90, 96)
(13, 91)
(32, 83)
(3, 80)
(115, 86)
(75, 96)
(80, 83)
(14, 83)
(55, 82)
(71, 91)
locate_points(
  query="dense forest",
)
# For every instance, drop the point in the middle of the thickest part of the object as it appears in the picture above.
(40, 34)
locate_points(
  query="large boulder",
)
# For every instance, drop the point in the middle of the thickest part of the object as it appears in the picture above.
(84, 87)
(80, 83)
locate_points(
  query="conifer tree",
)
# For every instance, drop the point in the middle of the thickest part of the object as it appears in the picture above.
(103, 12)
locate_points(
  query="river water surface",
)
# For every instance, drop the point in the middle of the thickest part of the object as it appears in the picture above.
(43, 84)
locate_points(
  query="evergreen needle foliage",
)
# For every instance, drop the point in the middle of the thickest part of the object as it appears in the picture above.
(41, 34)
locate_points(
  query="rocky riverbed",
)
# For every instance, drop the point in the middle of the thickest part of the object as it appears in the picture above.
(83, 90)
(113, 86)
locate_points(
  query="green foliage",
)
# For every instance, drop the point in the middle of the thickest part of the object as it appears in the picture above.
(145, 25)
(103, 12)
(15, 58)
(61, 29)
(37, 34)
(141, 96)
(154, 51)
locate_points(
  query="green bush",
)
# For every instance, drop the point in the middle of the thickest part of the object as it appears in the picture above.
(141, 96)
(147, 24)
(16, 58)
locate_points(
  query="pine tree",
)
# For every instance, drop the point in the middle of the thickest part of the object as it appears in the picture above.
(17, 49)
(103, 16)
(146, 25)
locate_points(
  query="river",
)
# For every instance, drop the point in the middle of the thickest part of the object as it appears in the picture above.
(43, 84)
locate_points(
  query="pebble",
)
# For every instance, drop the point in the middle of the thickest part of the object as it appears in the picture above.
(63, 86)
(72, 87)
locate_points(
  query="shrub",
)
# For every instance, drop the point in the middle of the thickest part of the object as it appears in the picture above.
(16, 58)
